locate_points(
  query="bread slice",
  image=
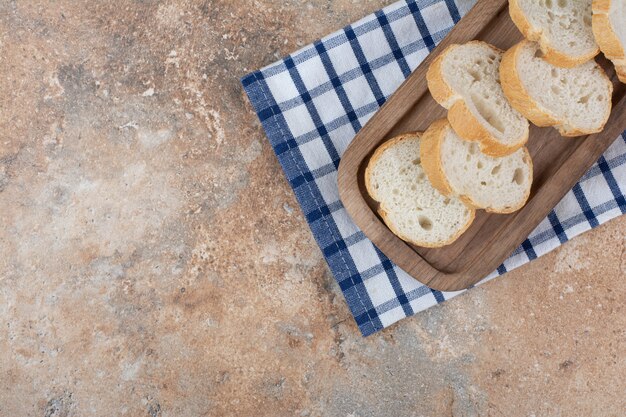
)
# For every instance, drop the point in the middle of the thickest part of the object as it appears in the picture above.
(457, 168)
(561, 27)
(609, 28)
(465, 80)
(576, 101)
(410, 206)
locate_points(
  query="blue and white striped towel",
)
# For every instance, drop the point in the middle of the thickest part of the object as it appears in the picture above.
(313, 103)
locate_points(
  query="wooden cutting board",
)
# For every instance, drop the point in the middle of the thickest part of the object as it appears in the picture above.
(558, 164)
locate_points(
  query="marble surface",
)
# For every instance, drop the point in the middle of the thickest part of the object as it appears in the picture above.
(154, 262)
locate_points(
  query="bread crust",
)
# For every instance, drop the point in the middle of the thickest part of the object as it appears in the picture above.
(551, 55)
(606, 37)
(463, 120)
(519, 98)
(383, 214)
(439, 89)
(516, 93)
(430, 153)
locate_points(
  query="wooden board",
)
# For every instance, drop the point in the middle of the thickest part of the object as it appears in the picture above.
(558, 164)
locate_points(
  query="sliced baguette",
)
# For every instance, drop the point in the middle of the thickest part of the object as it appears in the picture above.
(409, 205)
(609, 28)
(457, 168)
(465, 80)
(576, 101)
(561, 27)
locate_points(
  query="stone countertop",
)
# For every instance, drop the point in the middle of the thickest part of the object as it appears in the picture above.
(154, 261)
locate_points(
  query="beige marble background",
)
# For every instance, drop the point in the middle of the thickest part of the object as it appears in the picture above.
(153, 261)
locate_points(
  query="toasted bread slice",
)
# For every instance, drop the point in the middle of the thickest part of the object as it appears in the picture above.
(576, 101)
(465, 80)
(561, 27)
(609, 28)
(410, 206)
(458, 168)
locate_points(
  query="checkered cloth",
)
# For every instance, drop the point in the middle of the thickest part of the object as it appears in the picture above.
(313, 103)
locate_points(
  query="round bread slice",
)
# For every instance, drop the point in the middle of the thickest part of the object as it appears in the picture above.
(465, 80)
(409, 205)
(561, 27)
(458, 168)
(576, 101)
(609, 28)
